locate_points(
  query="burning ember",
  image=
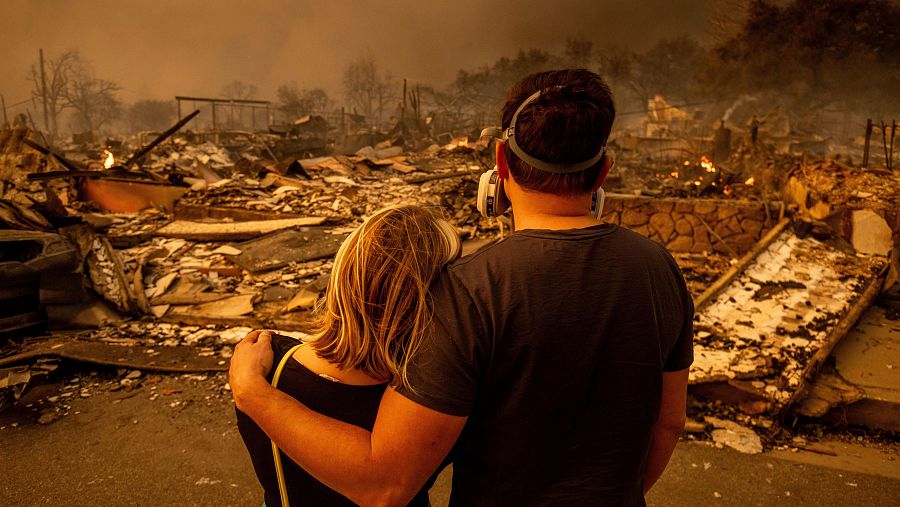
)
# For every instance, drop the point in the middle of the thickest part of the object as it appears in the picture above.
(110, 160)
(699, 178)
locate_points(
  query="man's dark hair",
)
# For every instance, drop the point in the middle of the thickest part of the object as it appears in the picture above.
(569, 123)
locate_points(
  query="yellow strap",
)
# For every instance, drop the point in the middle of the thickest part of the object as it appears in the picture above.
(279, 472)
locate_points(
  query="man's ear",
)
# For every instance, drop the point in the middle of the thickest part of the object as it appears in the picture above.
(502, 168)
(607, 165)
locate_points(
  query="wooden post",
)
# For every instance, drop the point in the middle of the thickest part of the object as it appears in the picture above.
(887, 158)
(252, 118)
(403, 105)
(215, 125)
(891, 158)
(865, 163)
(418, 103)
(6, 120)
(343, 123)
(44, 95)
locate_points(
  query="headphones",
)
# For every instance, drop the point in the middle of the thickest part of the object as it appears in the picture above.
(492, 200)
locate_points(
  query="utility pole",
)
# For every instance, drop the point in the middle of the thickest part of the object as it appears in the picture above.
(44, 96)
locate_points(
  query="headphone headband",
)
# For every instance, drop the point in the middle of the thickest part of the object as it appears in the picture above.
(509, 136)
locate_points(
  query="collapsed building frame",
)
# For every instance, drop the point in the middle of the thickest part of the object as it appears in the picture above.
(250, 104)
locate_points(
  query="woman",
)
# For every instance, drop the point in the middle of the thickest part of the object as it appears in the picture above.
(366, 328)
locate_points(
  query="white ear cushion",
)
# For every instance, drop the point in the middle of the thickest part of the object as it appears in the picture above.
(488, 189)
(598, 199)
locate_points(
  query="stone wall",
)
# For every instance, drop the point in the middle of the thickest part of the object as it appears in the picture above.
(692, 225)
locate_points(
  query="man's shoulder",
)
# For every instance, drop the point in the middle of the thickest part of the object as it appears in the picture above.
(518, 245)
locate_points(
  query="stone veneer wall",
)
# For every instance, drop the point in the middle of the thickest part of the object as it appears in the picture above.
(683, 225)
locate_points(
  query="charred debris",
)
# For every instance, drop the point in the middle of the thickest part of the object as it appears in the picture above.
(157, 253)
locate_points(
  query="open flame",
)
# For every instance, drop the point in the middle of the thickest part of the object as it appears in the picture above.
(697, 178)
(110, 159)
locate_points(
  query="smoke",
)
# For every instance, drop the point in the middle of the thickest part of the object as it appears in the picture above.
(740, 100)
(160, 48)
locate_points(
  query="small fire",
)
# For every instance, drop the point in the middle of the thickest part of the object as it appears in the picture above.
(750, 181)
(707, 165)
(110, 160)
(673, 174)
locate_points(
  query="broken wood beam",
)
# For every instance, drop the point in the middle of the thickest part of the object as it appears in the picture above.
(177, 359)
(299, 323)
(160, 138)
(52, 175)
(196, 212)
(50, 153)
(231, 231)
(433, 177)
(729, 276)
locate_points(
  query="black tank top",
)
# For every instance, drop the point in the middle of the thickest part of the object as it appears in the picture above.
(357, 405)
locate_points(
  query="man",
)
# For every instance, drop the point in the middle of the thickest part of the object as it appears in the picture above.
(557, 357)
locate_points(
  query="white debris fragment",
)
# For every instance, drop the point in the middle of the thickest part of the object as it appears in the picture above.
(206, 481)
(232, 335)
(227, 250)
(734, 435)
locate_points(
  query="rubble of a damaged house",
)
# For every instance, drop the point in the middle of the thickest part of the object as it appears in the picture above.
(161, 258)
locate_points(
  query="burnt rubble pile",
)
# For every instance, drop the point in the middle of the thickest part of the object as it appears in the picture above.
(171, 261)
(161, 259)
(245, 234)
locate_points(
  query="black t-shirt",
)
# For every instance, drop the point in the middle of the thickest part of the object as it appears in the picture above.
(357, 405)
(554, 344)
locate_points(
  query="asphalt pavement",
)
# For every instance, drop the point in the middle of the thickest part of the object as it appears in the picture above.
(172, 441)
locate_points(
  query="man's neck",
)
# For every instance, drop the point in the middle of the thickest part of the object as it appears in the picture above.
(553, 222)
(532, 210)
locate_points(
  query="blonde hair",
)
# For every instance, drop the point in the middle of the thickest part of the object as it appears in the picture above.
(376, 308)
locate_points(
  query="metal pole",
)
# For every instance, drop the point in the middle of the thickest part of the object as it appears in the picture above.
(44, 95)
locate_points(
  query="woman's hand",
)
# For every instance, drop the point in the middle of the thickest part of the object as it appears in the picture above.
(251, 362)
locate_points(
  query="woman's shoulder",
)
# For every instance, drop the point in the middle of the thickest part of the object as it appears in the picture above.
(281, 345)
